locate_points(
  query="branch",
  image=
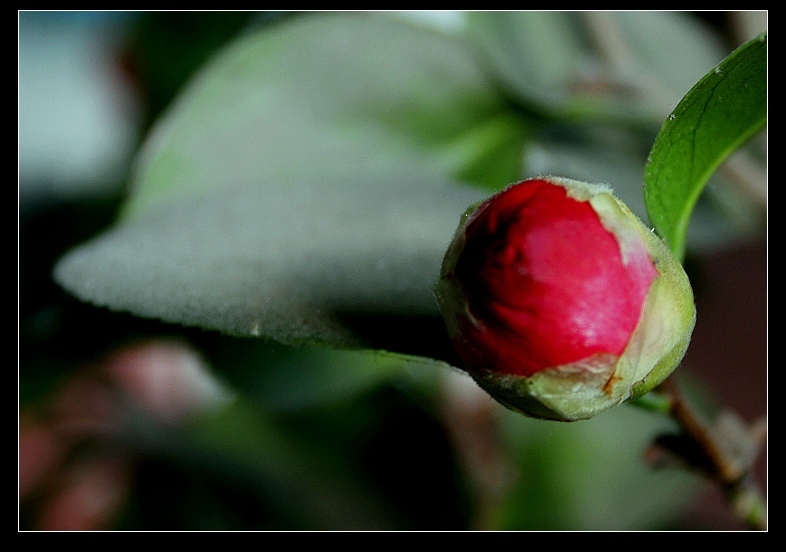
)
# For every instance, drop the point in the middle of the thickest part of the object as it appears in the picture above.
(724, 451)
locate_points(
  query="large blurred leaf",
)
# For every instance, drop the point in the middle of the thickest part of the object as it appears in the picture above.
(718, 115)
(666, 53)
(283, 263)
(534, 53)
(329, 97)
(618, 65)
(302, 179)
(165, 48)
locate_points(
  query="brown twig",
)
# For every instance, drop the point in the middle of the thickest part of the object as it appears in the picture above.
(725, 451)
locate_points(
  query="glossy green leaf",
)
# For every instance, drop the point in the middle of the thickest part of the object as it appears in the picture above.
(725, 109)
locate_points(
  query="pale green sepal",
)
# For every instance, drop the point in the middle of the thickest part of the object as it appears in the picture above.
(566, 393)
(663, 333)
(667, 323)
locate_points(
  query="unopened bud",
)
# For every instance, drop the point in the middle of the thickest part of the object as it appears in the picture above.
(560, 302)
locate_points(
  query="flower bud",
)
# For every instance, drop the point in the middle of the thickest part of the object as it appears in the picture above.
(560, 302)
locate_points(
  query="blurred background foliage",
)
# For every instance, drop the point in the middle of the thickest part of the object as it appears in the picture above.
(165, 426)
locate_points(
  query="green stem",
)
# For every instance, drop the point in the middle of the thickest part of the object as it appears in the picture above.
(654, 402)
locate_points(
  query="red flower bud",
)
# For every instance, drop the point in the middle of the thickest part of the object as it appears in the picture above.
(560, 302)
